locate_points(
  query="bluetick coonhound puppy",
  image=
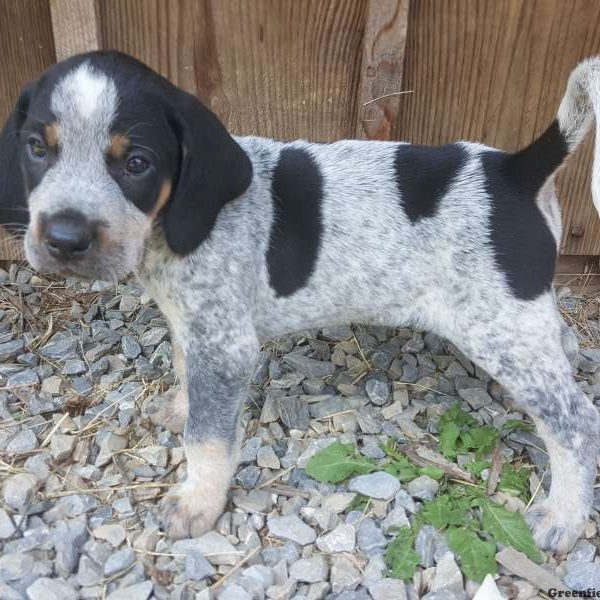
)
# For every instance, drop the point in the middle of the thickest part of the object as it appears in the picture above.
(240, 239)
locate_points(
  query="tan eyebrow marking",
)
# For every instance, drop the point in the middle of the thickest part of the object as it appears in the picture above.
(52, 134)
(163, 198)
(119, 144)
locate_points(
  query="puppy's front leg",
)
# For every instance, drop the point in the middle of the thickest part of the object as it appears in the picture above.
(218, 371)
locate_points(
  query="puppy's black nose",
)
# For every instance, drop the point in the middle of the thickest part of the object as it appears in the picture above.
(67, 235)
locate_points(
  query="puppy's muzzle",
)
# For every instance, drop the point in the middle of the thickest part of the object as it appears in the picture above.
(68, 235)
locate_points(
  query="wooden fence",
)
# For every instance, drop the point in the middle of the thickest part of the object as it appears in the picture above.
(486, 70)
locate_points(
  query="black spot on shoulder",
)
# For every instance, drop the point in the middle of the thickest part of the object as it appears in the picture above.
(424, 174)
(524, 247)
(294, 241)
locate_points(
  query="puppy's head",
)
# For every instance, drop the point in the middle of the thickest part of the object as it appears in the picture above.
(101, 150)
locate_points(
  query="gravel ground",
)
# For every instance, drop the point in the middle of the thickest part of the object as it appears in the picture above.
(83, 368)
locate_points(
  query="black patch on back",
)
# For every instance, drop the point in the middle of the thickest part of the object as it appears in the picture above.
(423, 176)
(524, 247)
(295, 237)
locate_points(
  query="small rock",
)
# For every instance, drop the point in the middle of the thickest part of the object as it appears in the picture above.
(19, 490)
(60, 347)
(309, 367)
(9, 350)
(369, 537)
(476, 398)
(119, 561)
(248, 476)
(89, 572)
(488, 590)
(130, 348)
(15, 566)
(583, 551)
(345, 576)
(338, 503)
(447, 575)
(156, 456)
(154, 336)
(267, 458)
(62, 446)
(24, 441)
(377, 391)
(51, 385)
(380, 485)
(582, 575)
(68, 536)
(430, 545)
(7, 527)
(45, 588)
(139, 591)
(255, 501)
(74, 366)
(294, 412)
(423, 487)
(197, 567)
(310, 570)
(23, 379)
(340, 539)
(291, 528)
(110, 444)
(233, 591)
(250, 450)
(113, 533)
(396, 519)
(212, 545)
(388, 588)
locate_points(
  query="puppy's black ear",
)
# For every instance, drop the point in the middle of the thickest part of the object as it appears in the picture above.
(13, 200)
(213, 169)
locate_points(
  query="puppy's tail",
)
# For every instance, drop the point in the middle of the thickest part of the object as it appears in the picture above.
(578, 109)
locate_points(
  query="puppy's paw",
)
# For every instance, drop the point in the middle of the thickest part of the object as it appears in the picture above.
(187, 511)
(170, 411)
(554, 529)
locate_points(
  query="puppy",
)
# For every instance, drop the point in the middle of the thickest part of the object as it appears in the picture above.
(239, 239)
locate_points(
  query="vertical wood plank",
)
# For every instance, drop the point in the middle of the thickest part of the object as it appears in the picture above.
(278, 68)
(75, 27)
(26, 48)
(380, 84)
(161, 33)
(495, 72)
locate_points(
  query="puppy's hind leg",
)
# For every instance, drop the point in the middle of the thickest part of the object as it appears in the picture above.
(522, 349)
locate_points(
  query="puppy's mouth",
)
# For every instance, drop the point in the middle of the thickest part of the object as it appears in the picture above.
(102, 265)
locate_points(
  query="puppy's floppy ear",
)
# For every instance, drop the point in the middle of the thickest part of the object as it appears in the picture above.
(13, 200)
(213, 169)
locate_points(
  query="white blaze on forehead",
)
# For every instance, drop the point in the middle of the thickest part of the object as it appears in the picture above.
(85, 93)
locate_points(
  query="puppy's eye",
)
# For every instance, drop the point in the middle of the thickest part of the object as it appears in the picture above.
(136, 165)
(37, 148)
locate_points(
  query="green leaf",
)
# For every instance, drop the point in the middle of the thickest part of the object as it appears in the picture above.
(449, 434)
(444, 511)
(516, 425)
(483, 439)
(477, 466)
(514, 481)
(402, 468)
(457, 416)
(400, 556)
(337, 462)
(509, 528)
(358, 503)
(476, 555)
(433, 472)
